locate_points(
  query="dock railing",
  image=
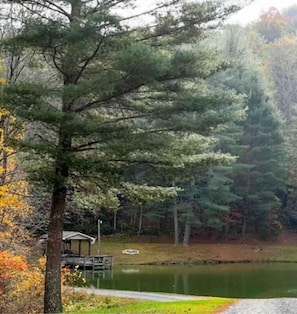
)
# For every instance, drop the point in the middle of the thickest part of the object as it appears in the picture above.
(94, 262)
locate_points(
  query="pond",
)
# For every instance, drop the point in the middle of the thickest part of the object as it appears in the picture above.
(223, 280)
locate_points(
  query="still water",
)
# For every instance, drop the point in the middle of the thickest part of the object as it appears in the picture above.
(225, 280)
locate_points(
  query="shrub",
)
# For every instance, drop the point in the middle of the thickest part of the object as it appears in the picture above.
(21, 285)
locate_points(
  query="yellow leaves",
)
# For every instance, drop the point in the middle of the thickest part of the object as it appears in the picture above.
(13, 189)
(21, 285)
(3, 112)
(13, 205)
(11, 197)
(31, 282)
(2, 79)
(72, 278)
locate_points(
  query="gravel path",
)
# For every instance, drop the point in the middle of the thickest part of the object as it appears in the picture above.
(264, 306)
(154, 296)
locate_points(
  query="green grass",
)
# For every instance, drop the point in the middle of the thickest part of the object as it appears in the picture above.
(167, 252)
(207, 306)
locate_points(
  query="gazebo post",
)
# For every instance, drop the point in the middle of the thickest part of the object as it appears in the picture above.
(79, 247)
(89, 248)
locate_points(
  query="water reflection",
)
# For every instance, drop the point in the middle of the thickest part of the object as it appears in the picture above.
(230, 280)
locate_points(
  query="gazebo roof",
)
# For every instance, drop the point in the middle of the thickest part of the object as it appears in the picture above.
(73, 235)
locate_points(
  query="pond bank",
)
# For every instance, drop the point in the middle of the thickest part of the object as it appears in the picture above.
(201, 253)
(215, 262)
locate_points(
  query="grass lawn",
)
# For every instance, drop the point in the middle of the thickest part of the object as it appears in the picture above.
(282, 249)
(207, 306)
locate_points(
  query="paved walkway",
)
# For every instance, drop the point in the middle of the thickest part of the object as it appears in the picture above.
(154, 296)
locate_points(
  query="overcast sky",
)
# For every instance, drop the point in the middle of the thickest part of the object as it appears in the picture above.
(252, 11)
(249, 13)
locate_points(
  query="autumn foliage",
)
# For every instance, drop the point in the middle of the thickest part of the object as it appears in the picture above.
(13, 187)
(21, 284)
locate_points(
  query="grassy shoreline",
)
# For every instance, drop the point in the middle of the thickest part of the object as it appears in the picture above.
(200, 253)
(152, 252)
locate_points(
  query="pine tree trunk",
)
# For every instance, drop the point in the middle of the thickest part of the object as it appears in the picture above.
(243, 228)
(175, 220)
(114, 221)
(52, 293)
(188, 222)
(187, 229)
(140, 221)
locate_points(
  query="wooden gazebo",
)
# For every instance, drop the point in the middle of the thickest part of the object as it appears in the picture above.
(71, 254)
(69, 237)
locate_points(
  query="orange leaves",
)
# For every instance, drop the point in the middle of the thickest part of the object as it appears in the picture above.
(21, 285)
(272, 25)
(273, 15)
(10, 266)
(10, 263)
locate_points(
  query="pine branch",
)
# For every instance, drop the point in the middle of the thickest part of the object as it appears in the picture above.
(90, 58)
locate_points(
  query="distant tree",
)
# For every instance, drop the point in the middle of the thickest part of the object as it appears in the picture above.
(280, 62)
(291, 14)
(272, 25)
(259, 174)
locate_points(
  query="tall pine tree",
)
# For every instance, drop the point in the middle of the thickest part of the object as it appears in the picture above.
(104, 78)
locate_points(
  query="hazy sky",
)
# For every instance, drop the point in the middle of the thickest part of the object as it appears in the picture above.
(252, 11)
(248, 14)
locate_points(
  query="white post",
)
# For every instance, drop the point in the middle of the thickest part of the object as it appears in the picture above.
(99, 237)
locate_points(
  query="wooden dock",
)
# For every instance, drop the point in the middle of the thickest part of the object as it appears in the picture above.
(95, 262)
